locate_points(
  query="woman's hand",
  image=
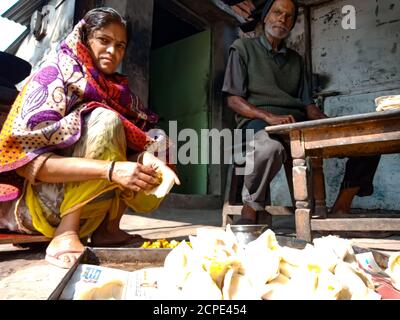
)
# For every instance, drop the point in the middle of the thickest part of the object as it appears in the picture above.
(135, 176)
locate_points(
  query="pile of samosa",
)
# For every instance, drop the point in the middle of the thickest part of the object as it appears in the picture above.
(216, 266)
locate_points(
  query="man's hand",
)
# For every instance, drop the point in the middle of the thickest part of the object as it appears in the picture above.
(247, 110)
(314, 113)
(274, 119)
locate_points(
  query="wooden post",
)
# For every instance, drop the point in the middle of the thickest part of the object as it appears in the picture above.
(318, 186)
(303, 224)
(301, 195)
(300, 187)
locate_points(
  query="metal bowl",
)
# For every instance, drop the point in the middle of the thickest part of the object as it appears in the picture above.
(246, 233)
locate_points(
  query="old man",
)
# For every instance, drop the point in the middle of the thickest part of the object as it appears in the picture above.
(265, 84)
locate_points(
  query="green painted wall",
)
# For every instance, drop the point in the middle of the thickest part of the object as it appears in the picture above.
(179, 86)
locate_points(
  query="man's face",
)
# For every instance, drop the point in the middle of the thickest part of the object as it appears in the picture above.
(107, 47)
(280, 19)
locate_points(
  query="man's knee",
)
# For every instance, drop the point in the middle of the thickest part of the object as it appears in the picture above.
(269, 148)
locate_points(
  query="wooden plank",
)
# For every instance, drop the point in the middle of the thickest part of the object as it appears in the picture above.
(15, 238)
(335, 122)
(386, 245)
(328, 137)
(369, 215)
(360, 224)
(272, 210)
(317, 142)
(361, 149)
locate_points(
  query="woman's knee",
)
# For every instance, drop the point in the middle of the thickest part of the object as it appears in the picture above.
(103, 135)
(102, 119)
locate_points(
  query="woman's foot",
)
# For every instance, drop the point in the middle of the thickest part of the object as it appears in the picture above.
(117, 237)
(64, 249)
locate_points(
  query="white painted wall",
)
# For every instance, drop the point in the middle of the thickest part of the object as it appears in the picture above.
(365, 59)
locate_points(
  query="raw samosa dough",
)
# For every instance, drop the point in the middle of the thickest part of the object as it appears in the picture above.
(238, 287)
(176, 264)
(200, 286)
(394, 269)
(356, 285)
(168, 175)
(260, 259)
(387, 103)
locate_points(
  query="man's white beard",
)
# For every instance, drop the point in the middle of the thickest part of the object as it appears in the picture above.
(269, 30)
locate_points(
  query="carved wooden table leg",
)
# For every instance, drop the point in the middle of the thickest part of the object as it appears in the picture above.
(300, 188)
(318, 187)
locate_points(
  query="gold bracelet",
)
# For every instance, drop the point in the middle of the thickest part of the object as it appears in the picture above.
(110, 170)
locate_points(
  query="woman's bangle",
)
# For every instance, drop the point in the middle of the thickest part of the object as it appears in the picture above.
(110, 170)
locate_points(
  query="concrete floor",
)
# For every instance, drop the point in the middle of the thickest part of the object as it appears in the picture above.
(24, 274)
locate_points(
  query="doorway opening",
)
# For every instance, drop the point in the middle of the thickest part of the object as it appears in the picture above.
(179, 87)
(168, 27)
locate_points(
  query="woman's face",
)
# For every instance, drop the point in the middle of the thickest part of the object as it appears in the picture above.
(107, 46)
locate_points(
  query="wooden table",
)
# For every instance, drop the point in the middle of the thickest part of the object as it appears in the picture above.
(355, 135)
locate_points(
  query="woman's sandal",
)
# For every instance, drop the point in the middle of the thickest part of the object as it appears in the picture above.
(55, 258)
(53, 255)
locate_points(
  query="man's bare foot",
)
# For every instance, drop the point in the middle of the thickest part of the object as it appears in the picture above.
(343, 202)
(64, 249)
(248, 215)
(105, 238)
